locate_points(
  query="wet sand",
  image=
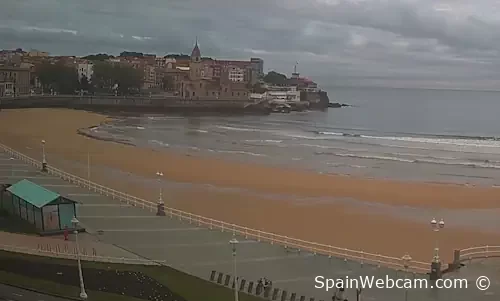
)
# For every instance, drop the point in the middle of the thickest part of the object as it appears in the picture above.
(339, 224)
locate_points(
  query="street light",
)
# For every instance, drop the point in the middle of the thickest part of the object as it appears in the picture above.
(233, 243)
(406, 263)
(88, 160)
(11, 168)
(437, 227)
(160, 175)
(44, 160)
(83, 294)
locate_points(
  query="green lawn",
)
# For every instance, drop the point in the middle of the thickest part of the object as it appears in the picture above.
(187, 286)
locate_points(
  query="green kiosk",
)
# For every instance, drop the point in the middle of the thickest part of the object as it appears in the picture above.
(47, 210)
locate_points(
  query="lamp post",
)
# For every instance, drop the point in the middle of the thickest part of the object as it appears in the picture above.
(436, 272)
(88, 160)
(406, 263)
(436, 227)
(11, 168)
(83, 294)
(233, 242)
(161, 206)
(44, 160)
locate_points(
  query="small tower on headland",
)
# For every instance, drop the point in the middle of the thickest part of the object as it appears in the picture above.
(295, 74)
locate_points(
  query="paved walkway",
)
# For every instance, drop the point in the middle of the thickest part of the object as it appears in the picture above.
(198, 250)
(58, 246)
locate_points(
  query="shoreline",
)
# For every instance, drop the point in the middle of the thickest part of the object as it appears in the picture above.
(87, 132)
(322, 222)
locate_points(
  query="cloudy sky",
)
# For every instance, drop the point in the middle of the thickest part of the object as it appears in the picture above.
(397, 43)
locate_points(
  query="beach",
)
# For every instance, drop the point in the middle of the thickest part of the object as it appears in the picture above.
(373, 215)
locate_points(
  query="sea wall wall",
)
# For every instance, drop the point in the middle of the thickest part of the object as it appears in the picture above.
(132, 104)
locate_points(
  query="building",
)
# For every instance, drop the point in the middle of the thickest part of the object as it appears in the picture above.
(257, 66)
(85, 69)
(236, 74)
(209, 79)
(149, 77)
(36, 53)
(287, 94)
(6, 89)
(47, 211)
(18, 77)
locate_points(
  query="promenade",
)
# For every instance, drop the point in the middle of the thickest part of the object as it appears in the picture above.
(198, 250)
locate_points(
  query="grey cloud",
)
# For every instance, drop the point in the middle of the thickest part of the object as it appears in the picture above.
(389, 42)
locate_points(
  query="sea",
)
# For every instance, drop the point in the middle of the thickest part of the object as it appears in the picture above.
(439, 136)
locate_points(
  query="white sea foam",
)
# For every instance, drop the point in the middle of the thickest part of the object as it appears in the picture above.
(237, 152)
(264, 141)
(159, 143)
(230, 128)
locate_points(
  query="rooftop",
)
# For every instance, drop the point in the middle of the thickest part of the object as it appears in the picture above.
(30, 192)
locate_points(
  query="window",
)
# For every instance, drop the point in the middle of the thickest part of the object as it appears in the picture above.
(193, 93)
(232, 93)
(238, 93)
(225, 90)
(201, 85)
(213, 93)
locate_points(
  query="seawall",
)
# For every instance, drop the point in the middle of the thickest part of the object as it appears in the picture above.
(134, 104)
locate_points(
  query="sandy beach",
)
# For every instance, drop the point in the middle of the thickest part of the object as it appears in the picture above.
(337, 223)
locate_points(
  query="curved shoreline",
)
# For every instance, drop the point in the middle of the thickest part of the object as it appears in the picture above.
(335, 224)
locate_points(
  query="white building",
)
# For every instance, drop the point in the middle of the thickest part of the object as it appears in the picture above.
(288, 94)
(236, 74)
(85, 69)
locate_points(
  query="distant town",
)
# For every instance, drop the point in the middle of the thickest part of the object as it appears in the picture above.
(185, 76)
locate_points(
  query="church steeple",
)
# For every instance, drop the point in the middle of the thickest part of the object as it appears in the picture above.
(196, 53)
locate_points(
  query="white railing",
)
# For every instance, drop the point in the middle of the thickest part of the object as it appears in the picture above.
(72, 255)
(479, 252)
(287, 242)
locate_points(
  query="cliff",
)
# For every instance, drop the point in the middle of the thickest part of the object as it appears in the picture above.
(317, 100)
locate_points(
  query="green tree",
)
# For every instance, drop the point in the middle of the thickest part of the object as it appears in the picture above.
(84, 83)
(62, 79)
(107, 75)
(98, 57)
(275, 78)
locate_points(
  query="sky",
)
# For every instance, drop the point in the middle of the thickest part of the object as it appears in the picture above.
(392, 43)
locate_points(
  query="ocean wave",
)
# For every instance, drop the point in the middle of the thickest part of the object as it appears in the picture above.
(428, 159)
(159, 143)
(345, 165)
(454, 140)
(263, 141)
(230, 128)
(237, 152)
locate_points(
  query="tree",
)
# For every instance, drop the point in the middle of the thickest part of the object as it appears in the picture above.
(131, 54)
(275, 78)
(257, 88)
(178, 56)
(84, 83)
(107, 75)
(62, 79)
(97, 57)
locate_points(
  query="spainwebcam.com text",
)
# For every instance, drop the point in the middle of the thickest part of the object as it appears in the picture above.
(367, 282)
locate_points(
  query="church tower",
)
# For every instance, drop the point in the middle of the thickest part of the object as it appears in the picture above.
(195, 64)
